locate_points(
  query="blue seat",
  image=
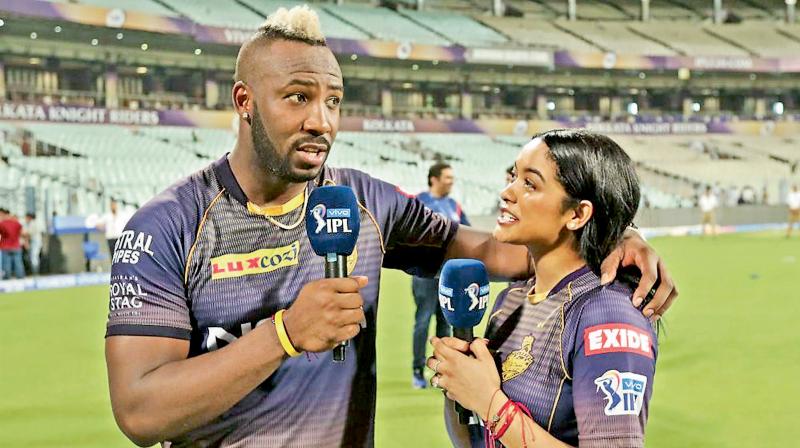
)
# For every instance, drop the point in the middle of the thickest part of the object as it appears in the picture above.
(91, 250)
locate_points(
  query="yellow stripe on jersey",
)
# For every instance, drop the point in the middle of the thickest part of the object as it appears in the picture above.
(277, 210)
(537, 297)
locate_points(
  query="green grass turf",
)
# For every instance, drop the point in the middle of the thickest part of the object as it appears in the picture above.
(726, 376)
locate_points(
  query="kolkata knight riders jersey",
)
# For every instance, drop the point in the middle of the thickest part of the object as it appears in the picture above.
(581, 358)
(200, 263)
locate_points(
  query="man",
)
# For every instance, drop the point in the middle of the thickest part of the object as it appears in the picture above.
(10, 245)
(426, 290)
(793, 201)
(33, 235)
(113, 223)
(215, 291)
(708, 206)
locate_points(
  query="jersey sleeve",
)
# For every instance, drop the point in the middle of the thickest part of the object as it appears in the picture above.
(613, 364)
(147, 294)
(416, 238)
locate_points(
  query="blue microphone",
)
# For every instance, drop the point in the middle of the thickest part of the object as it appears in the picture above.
(463, 297)
(332, 225)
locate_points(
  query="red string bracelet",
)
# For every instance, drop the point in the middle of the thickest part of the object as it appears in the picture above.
(509, 412)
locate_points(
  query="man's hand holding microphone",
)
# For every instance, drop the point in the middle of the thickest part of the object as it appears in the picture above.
(328, 312)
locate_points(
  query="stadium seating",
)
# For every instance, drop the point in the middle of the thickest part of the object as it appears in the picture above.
(538, 33)
(221, 13)
(386, 24)
(457, 28)
(332, 26)
(588, 10)
(600, 10)
(765, 41)
(460, 6)
(113, 160)
(617, 37)
(745, 9)
(659, 9)
(532, 9)
(724, 161)
(133, 164)
(687, 38)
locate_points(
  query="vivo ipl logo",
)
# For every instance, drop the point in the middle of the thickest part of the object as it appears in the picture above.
(623, 390)
(478, 296)
(333, 220)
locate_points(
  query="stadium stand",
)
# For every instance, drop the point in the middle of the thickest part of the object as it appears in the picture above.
(222, 13)
(133, 164)
(386, 24)
(332, 26)
(457, 28)
(616, 37)
(758, 39)
(114, 160)
(744, 9)
(538, 33)
(727, 161)
(687, 39)
(459, 6)
(659, 9)
(531, 9)
(588, 10)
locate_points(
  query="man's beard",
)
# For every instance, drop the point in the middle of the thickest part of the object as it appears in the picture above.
(270, 159)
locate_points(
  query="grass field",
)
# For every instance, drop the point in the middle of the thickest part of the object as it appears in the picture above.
(727, 374)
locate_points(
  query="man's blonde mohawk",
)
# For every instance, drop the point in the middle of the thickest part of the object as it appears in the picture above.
(300, 22)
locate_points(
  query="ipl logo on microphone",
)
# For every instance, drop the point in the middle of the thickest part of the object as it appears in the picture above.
(478, 295)
(333, 220)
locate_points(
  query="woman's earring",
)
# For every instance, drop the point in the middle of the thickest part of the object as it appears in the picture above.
(246, 117)
(571, 226)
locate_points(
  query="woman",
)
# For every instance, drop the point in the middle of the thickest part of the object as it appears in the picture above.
(575, 361)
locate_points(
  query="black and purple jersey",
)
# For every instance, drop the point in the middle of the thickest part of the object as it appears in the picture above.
(582, 360)
(200, 263)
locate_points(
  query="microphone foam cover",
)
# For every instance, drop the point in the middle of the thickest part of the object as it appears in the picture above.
(333, 220)
(463, 292)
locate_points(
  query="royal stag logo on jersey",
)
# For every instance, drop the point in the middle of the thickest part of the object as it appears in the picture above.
(478, 295)
(125, 292)
(623, 390)
(258, 262)
(333, 220)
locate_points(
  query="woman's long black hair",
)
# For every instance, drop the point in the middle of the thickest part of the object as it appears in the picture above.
(594, 168)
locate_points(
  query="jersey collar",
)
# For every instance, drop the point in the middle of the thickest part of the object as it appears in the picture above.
(224, 173)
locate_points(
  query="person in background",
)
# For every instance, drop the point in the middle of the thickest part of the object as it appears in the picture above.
(113, 223)
(708, 205)
(793, 201)
(426, 290)
(33, 236)
(10, 245)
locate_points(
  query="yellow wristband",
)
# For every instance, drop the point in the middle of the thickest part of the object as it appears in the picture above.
(283, 337)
